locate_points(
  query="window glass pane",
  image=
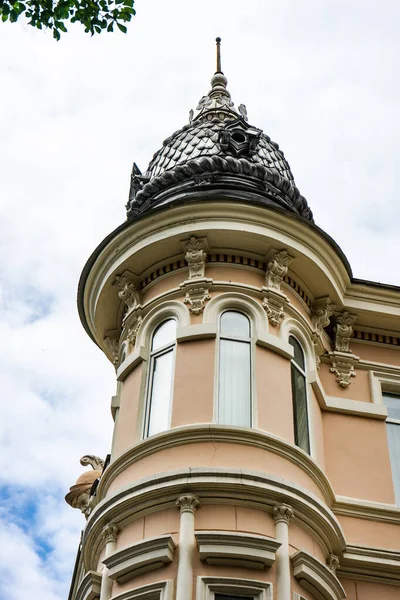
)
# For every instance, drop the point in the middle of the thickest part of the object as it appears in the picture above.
(164, 334)
(300, 416)
(298, 352)
(160, 399)
(234, 383)
(393, 405)
(393, 433)
(235, 324)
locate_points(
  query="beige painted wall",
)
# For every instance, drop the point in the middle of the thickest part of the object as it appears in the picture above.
(359, 388)
(357, 457)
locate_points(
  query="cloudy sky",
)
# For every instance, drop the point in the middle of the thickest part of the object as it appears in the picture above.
(319, 76)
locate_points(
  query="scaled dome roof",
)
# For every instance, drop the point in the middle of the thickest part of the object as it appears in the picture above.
(216, 155)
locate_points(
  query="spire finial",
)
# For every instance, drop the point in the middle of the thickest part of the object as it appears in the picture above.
(218, 40)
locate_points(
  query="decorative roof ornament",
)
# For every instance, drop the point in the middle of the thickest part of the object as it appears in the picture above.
(218, 102)
(217, 150)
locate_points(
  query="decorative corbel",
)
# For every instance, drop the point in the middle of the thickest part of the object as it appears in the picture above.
(274, 300)
(127, 292)
(132, 334)
(195, 256)
(196, 299)
(112, 340)
(342, 358)
(332, 562)
(322, 310)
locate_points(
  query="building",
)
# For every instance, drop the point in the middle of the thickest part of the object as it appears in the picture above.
(256, 447)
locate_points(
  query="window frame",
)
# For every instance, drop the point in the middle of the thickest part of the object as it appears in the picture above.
(392, 421)
(253, 589)
(250, 340)
(303, 372)
(152, 356)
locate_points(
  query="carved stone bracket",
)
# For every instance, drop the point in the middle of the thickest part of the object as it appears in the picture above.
(332, 562)
(343, 331)
(322, 310)
(112, 341)
(132, 334)
(187, 503)
(277, 268)
(127, 292)
(95, 462)
(282, 512)
(343, 367)
(195, 256)
(342, 358)
(274, 304)
(110, 533)
(196, 299)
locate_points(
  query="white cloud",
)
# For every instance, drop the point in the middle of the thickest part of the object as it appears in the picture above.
(319, 77)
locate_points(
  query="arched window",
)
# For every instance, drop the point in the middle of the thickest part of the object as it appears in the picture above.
(299, 395)
(161, 363)
(234, 381)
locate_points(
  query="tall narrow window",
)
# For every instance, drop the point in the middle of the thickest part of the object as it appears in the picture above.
(393, 433)
(234, 388)
(299, 395)
(160, 378)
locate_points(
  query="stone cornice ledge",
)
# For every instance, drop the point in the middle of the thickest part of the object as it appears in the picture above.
(365, 509)
(89, 587)
(345, 406)
(211, 432)
(236, 549)
(371, 564)
(139, 558)
(315, 577)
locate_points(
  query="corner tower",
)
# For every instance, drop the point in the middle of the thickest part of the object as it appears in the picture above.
(251, 387)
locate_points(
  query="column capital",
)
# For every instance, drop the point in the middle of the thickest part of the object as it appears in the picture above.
(110, 533)
(187, 503)
(282, 513)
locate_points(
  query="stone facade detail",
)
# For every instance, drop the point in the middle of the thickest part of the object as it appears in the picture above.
(128, 293)
(322, 310)
(277, 268)
(274, 300)
(132, 334)
(282, 512)
(110, 533)
(343, 369)
(196, 299)
(343, 331)
(332, 562)
(187, 503)
(113, 346)
(196, 257)
(95, 462)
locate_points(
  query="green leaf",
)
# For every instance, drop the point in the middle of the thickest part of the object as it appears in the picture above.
(121, 27)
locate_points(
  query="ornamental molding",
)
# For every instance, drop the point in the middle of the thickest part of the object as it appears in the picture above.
(371, 564)
(112, 340)
(274, 305)
(195, 256)
(321, 312)
(316, 577)
(161, 590)
(236, 549)
(215, 486)
(127, 292)
(282, 513)
(187, 503)
(110, 533)
(95, 462)
(139, 558)
(89, 587)
(277, 268)
(332, 562)
(343, 331)
(343, 366)
(132, 333)
(190, 434)
(196, 299)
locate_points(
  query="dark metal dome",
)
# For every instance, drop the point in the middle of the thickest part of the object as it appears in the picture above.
(218, 154)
